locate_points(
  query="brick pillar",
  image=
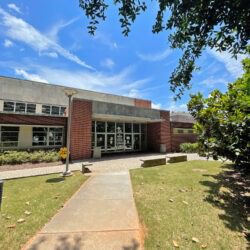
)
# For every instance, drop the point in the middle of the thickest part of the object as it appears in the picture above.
(80, 147)
(159, 133)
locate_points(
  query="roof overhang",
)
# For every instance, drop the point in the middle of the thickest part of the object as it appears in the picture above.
(121, 118)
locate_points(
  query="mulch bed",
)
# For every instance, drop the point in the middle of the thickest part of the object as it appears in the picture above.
(29, 165)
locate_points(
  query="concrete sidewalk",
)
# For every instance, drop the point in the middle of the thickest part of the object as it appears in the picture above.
(106, 164)
(101, 215)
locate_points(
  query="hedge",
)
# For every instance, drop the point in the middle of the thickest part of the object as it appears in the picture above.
(189, 147)
(19, 157)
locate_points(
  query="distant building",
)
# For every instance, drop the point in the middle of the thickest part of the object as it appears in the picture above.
(181, 129)
(33, 115)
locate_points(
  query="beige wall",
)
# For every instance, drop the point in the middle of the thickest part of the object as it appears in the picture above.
(25, 137)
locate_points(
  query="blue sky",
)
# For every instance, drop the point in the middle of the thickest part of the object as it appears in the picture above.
(48, 41)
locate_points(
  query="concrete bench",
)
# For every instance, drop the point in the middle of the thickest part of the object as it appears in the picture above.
(153, 162)
(179, 158)
(84, 169)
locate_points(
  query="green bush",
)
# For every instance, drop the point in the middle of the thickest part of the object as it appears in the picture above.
(189, 147)
(19, 157)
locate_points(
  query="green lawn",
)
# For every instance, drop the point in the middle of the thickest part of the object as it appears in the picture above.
(41, 196)
(197, 199)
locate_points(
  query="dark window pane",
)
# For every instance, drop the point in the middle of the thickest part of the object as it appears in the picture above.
(62, 110)
(128, 141)
(190, 131)
(111, 141)
(20, 107)
(136, 142)
(5, 128)
(9, 136)
(119, 128)
(136, 128)
(110, 127)
(100, 126)
(39, 136)
(93, 126)
(55, 110)
(55, 136)
(100, 140)
(143, 128)
(180, 131)
(128, 127)
(46, 109)
(119, 141)
(31, 108)
(8, 106)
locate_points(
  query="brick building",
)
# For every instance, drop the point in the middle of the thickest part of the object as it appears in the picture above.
(33, 115)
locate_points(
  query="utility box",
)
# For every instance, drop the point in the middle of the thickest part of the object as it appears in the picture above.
(97, 153)
(163, 148)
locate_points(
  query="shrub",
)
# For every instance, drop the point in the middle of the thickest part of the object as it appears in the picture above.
(19, 157)
(189, 147)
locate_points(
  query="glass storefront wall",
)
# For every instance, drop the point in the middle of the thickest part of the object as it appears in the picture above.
(118, 136)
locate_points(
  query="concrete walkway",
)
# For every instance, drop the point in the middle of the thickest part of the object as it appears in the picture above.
(100, 216)
(106, 164)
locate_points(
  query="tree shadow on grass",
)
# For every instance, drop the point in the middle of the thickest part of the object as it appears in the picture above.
(55, 180)
(230, 191)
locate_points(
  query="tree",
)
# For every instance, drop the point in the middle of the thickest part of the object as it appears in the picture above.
(195, 25)
(223, 120)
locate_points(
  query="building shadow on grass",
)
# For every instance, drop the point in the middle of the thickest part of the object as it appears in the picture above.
(55, 180)
(230, 191)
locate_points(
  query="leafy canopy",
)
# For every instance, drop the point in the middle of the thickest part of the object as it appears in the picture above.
(220, 24)
(223, 120)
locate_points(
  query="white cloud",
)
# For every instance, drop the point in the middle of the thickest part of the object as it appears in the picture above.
(19, 30)
(28, 76)
(156, 105)
(7, 43)
(108, 63)
(12, 6)
(134, 93)
(212, 81)
(232, 65)
(105, 39)
(177, 107)
(154, 57)
(121, 83)
(54, 31)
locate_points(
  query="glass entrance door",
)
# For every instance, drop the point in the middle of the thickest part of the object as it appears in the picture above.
(118, 136)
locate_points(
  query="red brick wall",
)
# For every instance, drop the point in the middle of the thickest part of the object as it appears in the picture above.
(142, 103)
(177, 139)
(159, 133)
(81, 129)
(32, 120)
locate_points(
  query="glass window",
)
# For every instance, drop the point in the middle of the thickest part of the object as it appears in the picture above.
(62, 110)
(136, 128)
(119, 128)
(111, 141)
(190, 131)
(20, 107)
(180, 131)
(100, 140)
(136, 142)
(55, 136)
(110, 127)
(39, 136)
(143, 128)
(93, 126)
(8, 106)
(55, 110)
(128, 128)
(119, 141)
(9, 136)
(46, 109)
(128, 141)
(31, 108)
(100, 127)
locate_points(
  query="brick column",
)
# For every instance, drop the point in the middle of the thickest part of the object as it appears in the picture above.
(159, 133)
(80, 147)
